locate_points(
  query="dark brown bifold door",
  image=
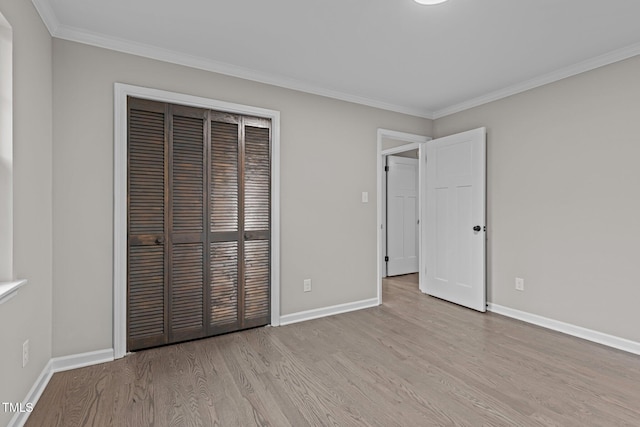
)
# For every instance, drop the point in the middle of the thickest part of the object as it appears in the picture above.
(240, 222)
(199, 223)
(187, 222)
(147, 225)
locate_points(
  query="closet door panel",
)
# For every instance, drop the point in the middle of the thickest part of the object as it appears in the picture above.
(257, 220)
(188, 263)
(225, 224)
(146, 275)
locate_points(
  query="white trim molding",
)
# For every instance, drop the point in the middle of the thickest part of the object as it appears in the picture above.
(412, 141)
(317, 313)
(20, 418)
(48, 15)
(567, 328)
(61, 31)
(75, 361)
(58, 364)
(9, 290)
(121, 92)
(545, 79)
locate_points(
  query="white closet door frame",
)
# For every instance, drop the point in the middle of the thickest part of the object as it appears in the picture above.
(121, 91)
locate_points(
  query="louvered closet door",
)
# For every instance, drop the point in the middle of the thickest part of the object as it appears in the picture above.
(187, 229)
(240, 222)
(224, 226)
(199, 223)
(147, 292)
(257, 219)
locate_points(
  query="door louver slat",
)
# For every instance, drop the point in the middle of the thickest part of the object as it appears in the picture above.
(224, 283)
(187, 286)
(146, 173)
(257, 179)
(224, 177)
(146, 291)
(187, 188)
(257, 273)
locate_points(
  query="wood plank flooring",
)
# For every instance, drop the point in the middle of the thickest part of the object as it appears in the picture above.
(414, 361)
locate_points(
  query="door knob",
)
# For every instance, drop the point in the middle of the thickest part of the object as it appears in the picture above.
(159, 241)
(477, 228)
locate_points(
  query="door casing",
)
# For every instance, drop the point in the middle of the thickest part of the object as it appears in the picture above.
(392, 265)
(413, 142)
(121, 92)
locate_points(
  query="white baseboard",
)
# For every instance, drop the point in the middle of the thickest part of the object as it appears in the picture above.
(66, 363)
(58, 364)
(301, 316)
(569, 329)
(20, 418)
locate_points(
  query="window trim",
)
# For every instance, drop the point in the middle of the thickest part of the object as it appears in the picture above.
(9, 290)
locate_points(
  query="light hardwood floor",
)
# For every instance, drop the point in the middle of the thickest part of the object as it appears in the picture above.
(414, 361)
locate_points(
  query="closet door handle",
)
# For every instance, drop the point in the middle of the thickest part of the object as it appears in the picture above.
(159, 240)
(477, 228)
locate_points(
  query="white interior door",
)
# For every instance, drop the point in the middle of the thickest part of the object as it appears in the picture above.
(402, 215)
(455, 219)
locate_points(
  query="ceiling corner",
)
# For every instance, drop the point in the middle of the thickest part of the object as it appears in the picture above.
(545, 79)
(48, 15)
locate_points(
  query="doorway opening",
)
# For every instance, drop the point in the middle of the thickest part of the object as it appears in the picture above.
(451, 199)
(400, 181)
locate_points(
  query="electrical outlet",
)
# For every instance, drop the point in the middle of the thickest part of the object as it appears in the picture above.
(519, 284)
(307, 285)
(25, 353)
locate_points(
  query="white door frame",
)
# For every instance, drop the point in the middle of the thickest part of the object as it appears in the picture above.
(121, 91)
(385, 212)
(413, 142)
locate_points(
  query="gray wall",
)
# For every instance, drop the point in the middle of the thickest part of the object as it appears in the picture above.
(28, 315)
(328, 157)
(563, 206)
(563, 202)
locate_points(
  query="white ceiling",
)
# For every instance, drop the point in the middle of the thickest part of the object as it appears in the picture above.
(395, 54)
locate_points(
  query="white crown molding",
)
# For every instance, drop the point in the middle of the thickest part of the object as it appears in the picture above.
(100, 40)
(179, 58)
(48, 15)
(569, 329)
(572, 70)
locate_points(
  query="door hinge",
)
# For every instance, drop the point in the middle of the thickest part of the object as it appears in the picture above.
(386, 168)
(386, 259)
